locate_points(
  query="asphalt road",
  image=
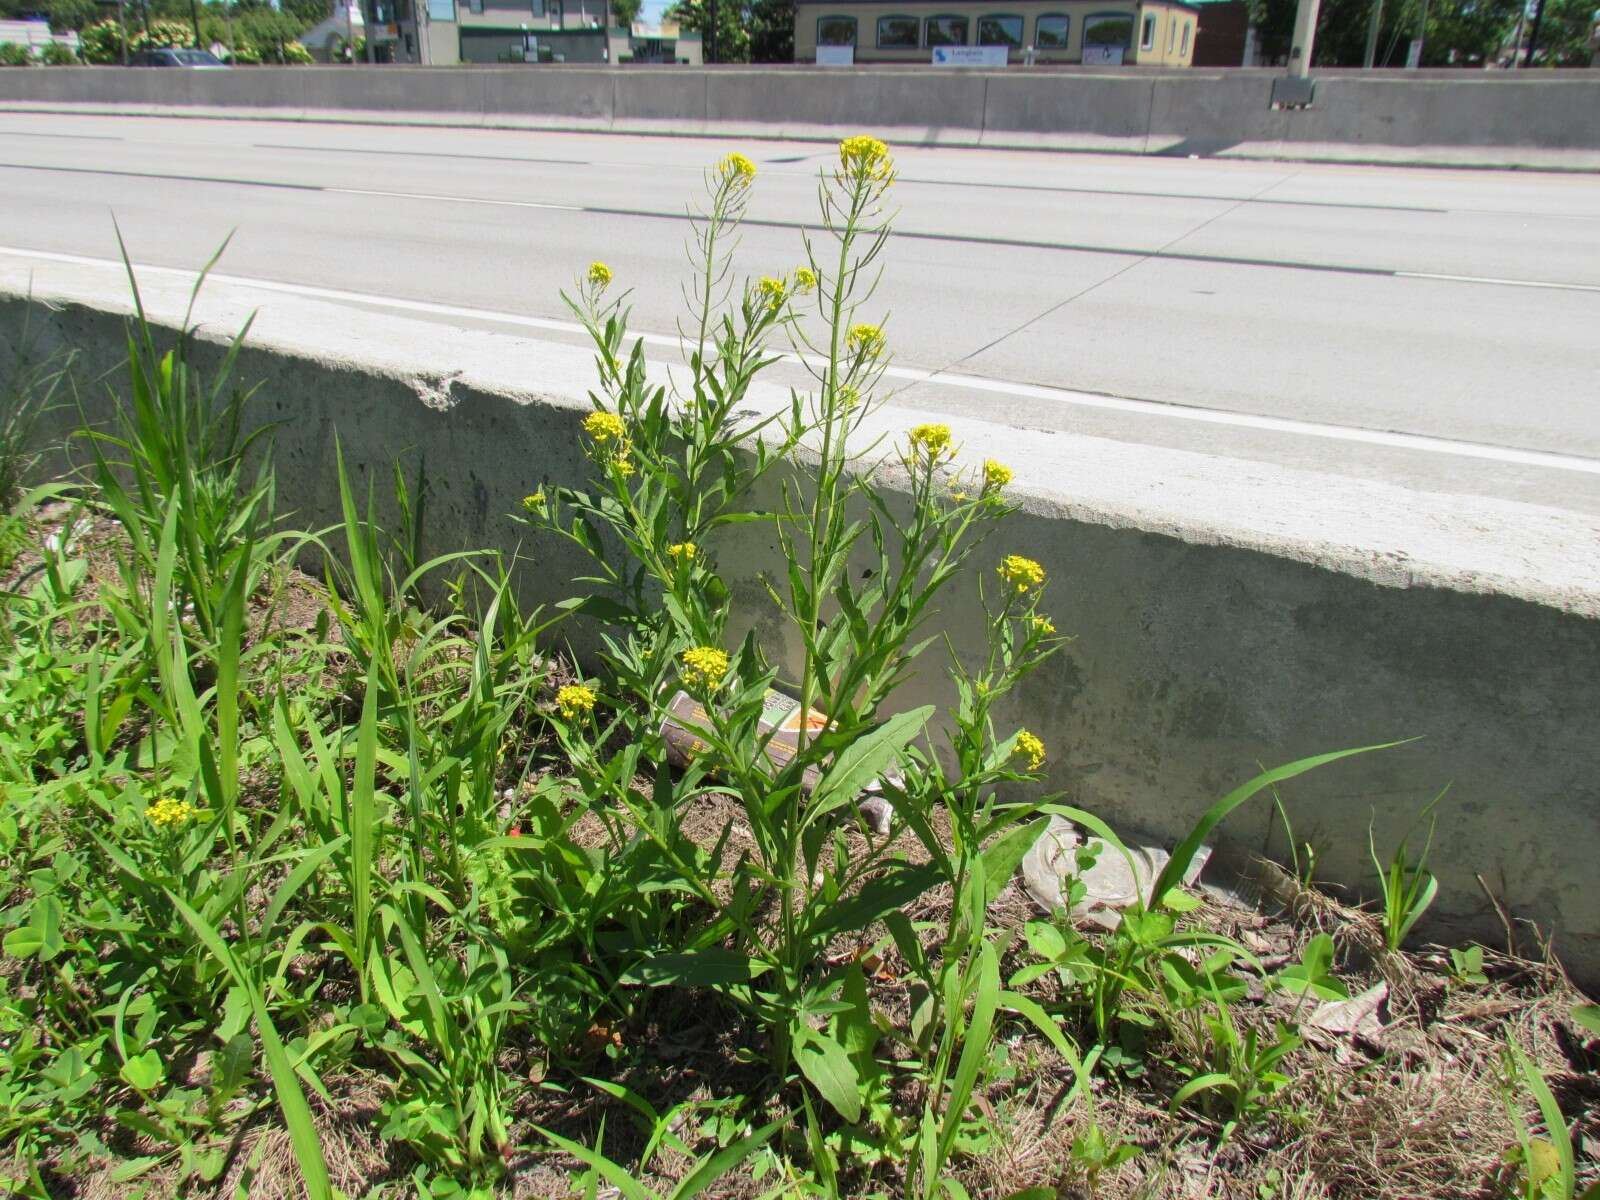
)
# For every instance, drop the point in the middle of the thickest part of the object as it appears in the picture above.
(1434, 327)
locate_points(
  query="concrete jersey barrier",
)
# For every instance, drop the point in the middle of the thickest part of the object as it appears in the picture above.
(1215, 626)
(1532, 119)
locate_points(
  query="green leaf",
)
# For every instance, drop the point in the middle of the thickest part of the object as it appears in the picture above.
(706, 968)
(1587, 1016)
(863, 760)
(144, 1072)
(1179, 901)
(1195, 1086)
(134, 1167)
(877, 898)
(291, 1100)
(1178, 865)
(720, 1163)
(827, 1065)
(1003, 856)
(41, 936)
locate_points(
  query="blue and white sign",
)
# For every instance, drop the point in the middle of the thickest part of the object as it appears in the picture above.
(969, 56)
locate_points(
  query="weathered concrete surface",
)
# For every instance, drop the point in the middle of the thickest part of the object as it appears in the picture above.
(1531, 119)
(1215, 626)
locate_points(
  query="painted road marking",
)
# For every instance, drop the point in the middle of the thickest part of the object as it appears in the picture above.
(452, 199)
(1067, 396)
(1534, 283)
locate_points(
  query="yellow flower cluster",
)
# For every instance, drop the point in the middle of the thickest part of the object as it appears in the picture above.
(168, 813)
(533, 503)
(995, 475)
(1021, 574)
(863, 157)
(610, 443)
(774, 290)
(704, 667)
(849, 397)
(932, 440)
(604, 427)
(805, 280)
(738, 169)
(683, 551)
(1043, 626)
(1030, 748)
(866, 338)
(599, 274)
(575, 698)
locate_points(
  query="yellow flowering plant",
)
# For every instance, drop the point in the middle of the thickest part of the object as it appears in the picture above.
(666, 628)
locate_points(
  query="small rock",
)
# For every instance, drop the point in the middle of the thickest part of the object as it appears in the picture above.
(1113, 883)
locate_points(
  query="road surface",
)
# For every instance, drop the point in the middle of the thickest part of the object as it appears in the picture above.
(1432, 327)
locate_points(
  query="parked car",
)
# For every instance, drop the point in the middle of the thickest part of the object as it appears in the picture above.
(197, 59)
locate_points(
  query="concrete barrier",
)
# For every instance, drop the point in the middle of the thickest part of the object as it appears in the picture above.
(1535, 119)
(1215, 625)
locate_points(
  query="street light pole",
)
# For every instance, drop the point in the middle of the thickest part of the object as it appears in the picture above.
(1305, 34)
(1533, 34)
(1374, 20)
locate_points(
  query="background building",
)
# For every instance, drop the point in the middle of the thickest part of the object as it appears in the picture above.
(1103, 32)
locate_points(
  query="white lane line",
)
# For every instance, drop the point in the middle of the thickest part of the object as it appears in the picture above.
(452, 199)
(1533, 283)
(978, 383)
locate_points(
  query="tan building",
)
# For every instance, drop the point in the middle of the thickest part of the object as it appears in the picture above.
(1104, 32)
(536, 31)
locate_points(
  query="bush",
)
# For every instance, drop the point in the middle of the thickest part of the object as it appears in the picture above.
(297, 55)
(245, 55)
(59, 54)
(13, 55)
(101, 42)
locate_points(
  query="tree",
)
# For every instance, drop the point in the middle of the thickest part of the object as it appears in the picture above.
(1564, 32)
(1473, 29)
(772, 31)
(625, 12)
(733, 36)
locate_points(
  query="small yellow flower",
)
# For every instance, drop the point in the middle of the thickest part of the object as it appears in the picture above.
(1030, 748)
(774, 291)
(865, 157)
(621, 461)
(599, 274)
(849, 397)
(866, 338)
(533, 503)
(704, 667)
(604, 427)
(805, 280)
(738, 169)
(995, 475)
(683, 551)
(1021, 574)
(168, 813)
(575, 698)
(958, 497)
(1043, 626)
(932, 440)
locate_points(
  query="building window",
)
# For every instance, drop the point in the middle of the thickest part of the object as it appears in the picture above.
(537, 7)
(1108, 29)
(1000, 31)
(1172, 36)
(475, 5)
(947, 31)
(897, 33)
(1184, 49)
(836, 31)
(1147, 39)
(441, 10)
(1051, 31)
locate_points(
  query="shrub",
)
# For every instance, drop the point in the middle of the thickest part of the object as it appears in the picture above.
(245, 55)
(101, 42)
(14, 55)
(59, 54)
(297, 55)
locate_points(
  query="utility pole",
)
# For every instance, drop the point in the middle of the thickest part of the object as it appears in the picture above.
(1533, 34)
(1305, 34)
(1422, 30)
(711, 33)
(1374, 20)
(194, 18)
